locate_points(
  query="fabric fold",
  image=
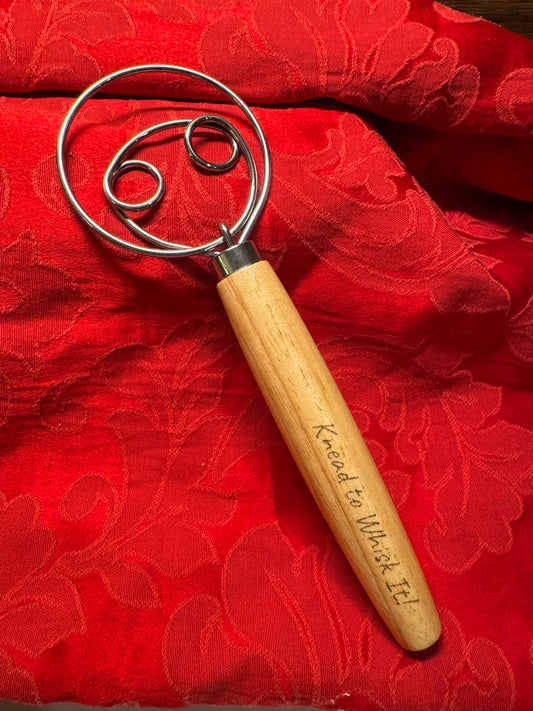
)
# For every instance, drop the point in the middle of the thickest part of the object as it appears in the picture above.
(411, 60)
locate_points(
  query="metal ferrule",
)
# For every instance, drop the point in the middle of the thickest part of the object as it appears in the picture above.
(234, 258)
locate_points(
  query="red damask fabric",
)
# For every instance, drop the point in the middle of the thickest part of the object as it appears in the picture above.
(157, 544)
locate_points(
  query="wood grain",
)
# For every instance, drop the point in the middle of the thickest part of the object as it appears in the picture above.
(330, 451)
(515, 15)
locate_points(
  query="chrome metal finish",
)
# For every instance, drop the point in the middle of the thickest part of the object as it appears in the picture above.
(235, 235)
(234, 258)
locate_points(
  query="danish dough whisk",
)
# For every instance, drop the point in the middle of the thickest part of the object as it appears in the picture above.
(304, 400)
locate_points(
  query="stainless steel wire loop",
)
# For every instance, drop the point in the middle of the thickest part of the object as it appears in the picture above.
(257, 197)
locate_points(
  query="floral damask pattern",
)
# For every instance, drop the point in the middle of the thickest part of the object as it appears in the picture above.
(39, 607)
(157, 544)
(478, 487)
(520, 335)
(514, 98)
(54, 47)
(321, 632)
(384, 63)
(138, 525)
(23, 289)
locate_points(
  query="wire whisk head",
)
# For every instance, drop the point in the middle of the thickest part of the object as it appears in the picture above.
(122, 162)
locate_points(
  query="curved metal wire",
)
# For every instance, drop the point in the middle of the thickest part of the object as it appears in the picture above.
(119, 164)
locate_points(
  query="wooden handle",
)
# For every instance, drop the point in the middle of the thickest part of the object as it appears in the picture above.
(330, 451)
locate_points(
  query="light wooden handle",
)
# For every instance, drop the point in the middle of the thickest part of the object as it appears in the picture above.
(330, 451)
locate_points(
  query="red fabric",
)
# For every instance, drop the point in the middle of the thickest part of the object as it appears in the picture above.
(157, 544)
